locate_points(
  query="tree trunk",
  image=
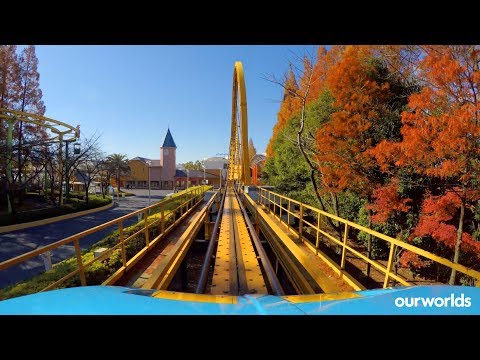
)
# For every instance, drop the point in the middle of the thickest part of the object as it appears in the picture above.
(459, 237)
(52, 189)
(86, 193)
(335, 206)
(19, 167)
(11, 200)
(20, 148)
(118, 180)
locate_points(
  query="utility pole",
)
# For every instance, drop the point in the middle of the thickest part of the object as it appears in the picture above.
(60, 168)
(67, 170)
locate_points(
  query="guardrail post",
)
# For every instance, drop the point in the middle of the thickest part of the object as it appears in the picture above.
(318, 233)
(300, 223)
(344, 249)
(124, 256)
(281, 205)
(288, 215)
(274, 206)
(147, 233)
(78, 254)
(162, 217)
(389, 265)
(182, 202)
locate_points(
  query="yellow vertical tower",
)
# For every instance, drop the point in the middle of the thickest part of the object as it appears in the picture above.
(239, 163)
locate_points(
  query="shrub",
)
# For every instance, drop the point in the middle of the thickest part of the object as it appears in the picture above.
(74, 205)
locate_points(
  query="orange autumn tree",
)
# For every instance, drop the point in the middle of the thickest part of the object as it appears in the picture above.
(342, 142)
(311, 85)
(289, 106)
(387, 202)
(315, 75)
(369, 101)
(441, 134)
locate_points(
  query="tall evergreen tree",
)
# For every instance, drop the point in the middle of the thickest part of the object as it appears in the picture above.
(8, 76)
(29, 99)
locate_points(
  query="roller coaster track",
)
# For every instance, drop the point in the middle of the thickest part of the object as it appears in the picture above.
(243, 240)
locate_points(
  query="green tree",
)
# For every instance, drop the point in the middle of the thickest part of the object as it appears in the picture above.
(29, 99)
(118, 163)
(284, 169)
(190, 165)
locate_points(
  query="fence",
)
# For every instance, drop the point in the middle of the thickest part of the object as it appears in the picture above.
(287, 210)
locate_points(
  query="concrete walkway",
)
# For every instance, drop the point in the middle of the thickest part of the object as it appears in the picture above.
(19, 242)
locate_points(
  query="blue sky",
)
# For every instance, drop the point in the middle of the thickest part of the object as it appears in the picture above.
(131, 94)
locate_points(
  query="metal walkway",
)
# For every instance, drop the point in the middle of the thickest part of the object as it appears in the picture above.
(236, 271)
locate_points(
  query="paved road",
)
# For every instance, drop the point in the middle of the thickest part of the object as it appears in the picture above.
(19, 242)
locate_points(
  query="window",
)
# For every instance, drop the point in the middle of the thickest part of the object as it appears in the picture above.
(165, 151)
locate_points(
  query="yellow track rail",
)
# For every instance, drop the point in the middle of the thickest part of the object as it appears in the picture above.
(164, 273)
(237, 270)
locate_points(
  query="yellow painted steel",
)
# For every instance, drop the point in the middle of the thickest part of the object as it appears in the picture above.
(165, 231)
(250, 275)
(236, 270)
(166, 270)
(239, 160)
(205, 298)
(195, 191)
(320, 279)
(298, 280)
(51, 124)
(221, 282)
(265, 198)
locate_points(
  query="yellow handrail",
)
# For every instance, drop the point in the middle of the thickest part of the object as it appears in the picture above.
(187, 199)
(265, 198)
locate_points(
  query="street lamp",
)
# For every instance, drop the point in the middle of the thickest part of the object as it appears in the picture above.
(188, 173)
(148, 163)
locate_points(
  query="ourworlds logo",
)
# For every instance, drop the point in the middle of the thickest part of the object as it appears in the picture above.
(451, 301)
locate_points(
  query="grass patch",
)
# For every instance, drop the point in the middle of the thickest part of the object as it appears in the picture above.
(98, 272)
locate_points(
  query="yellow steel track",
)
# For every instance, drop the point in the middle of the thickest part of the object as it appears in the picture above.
(239, 167)
(236, 271)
